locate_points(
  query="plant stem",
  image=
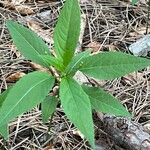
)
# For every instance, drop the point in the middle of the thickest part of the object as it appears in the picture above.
(148, 17)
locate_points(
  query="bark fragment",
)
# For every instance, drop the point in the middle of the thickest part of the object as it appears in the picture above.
(126, 133)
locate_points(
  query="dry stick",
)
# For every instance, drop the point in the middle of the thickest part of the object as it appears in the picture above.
(148, 17)
(126, 133)
(54, 73)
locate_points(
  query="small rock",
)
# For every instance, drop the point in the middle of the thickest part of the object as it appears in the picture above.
(81, 78)
(141, 47)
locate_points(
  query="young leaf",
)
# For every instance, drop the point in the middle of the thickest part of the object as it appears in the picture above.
(76, 62)
(52, 61)
(25, 94)
(104, 102)
(48, 107)
(67, 31)
(77, 107)
(4, 128)
(110, 65)
(28, 43)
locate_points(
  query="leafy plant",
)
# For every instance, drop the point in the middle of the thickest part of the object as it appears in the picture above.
(77, 100)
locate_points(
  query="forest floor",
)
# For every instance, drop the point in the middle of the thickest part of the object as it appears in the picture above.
(111, 25)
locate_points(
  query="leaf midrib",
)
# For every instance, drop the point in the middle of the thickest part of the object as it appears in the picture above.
(23, 97)
(106, 66)
(67, 34)
(69, 24)
(75, 104)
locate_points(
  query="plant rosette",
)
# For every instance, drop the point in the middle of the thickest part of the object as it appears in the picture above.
(77, 100)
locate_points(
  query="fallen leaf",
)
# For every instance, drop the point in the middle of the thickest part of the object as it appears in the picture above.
(15, 77)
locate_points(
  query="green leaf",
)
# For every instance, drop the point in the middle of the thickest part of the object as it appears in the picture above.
(77, 107)
(110, 65)
(28, 43)
(48, 107)
(3, 96)
(52, 61)
(4, 128)
(25, 94)
(67, 30)
(76, 62)
(4, 131)
(104, 102)
(134, 2)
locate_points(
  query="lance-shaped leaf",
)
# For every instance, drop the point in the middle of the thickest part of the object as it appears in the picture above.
(4, 128)
(76, 62)
(25, 94)
(48, 107)
(104, 102)
(77, 107)
(110, 65)
(67, 30)
(28, 43)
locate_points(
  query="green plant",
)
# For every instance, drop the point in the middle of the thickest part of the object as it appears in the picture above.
(77, 100)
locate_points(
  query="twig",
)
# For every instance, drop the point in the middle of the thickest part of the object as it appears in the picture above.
(148, 17)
